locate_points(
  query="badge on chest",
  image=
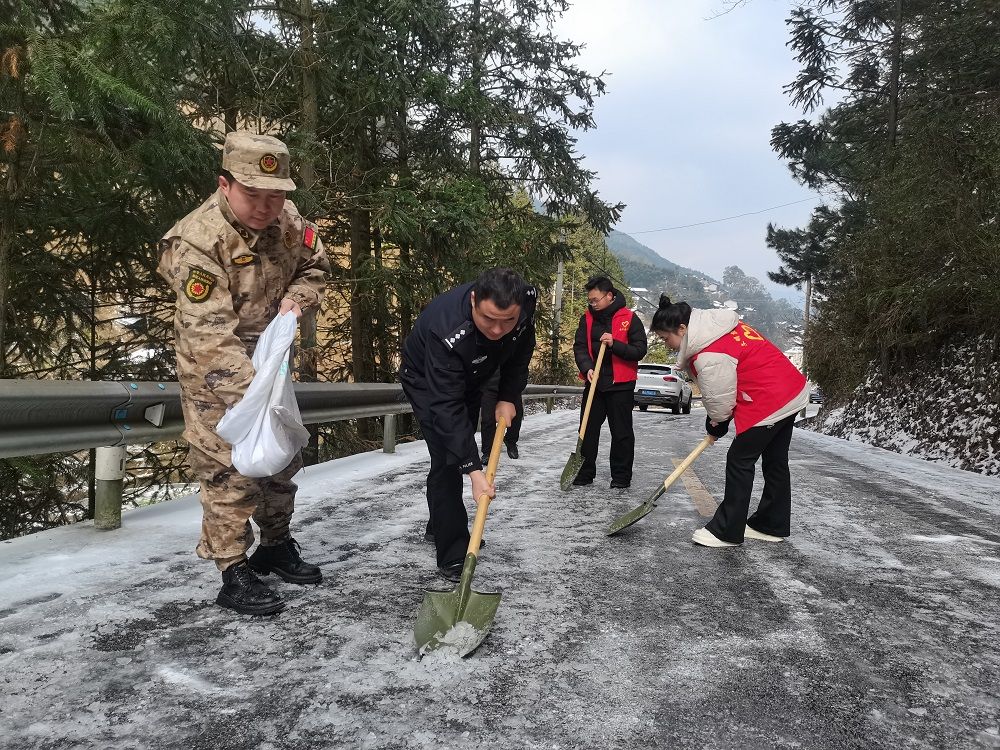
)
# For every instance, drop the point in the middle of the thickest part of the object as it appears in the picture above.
(245, 259)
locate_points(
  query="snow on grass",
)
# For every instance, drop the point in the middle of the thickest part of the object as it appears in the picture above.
(944, 410)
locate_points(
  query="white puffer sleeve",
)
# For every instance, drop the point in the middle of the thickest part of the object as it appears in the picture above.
(717, 381)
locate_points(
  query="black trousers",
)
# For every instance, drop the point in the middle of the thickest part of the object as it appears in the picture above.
(449, 520)
(488, 422)
(616, 408)
(773, 515)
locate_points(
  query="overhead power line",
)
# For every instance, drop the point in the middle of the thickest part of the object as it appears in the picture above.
(725, 218)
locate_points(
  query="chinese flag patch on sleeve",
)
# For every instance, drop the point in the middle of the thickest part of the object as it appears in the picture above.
(310, 237)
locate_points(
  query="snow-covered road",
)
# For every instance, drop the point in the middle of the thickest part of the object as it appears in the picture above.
(875, 626)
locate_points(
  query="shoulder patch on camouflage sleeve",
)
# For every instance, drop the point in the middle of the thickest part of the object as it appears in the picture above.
(199, 285)
(310, 235)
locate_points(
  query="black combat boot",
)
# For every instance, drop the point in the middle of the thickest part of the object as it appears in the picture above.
(284, 560)
(243, 592)
(452, 571)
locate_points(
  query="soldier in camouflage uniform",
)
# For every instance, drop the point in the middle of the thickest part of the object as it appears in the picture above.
(236, 262)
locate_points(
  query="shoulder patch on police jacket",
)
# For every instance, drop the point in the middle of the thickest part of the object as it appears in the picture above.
(199, 285)
(530, 303)
(458, 334)
(310, 235)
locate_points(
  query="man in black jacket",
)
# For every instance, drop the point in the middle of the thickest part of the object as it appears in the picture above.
(607, 320)
(459, 340)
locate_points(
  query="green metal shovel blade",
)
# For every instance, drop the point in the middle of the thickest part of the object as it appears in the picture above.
(459, 619)
(573, 466)
(637, 514)
(634, 515)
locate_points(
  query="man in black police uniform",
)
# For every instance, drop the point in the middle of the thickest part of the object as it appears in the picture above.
(460, 339)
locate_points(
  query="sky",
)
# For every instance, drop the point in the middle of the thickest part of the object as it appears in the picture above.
(683, 132)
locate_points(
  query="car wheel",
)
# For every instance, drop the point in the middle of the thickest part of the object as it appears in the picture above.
(643, 407)
(687, 406)
(676, 408)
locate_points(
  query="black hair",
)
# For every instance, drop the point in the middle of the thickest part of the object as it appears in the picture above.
(502, 285)
(227, 175)
(599, 282)
(670, 316)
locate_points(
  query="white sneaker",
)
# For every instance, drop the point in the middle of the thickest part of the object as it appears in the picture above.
(752, 533)
(706, 538)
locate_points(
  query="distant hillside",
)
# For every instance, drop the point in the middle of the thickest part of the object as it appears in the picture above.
(644, 268)
(626, 247)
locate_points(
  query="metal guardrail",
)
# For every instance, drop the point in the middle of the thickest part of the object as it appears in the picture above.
(57, 416)
(60, 416)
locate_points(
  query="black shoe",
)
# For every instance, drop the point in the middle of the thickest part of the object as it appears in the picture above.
(243, 592)
(617, 484)
(512, 451)
(452, 571)
(581, 482)
(285, 561)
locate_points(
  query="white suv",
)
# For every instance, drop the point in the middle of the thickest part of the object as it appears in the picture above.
(662, 385)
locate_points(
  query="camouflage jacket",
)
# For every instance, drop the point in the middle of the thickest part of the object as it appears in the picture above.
(229, 281)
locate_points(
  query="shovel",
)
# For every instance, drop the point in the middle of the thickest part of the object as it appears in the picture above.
(576, 458)
(623, 522)
(462, 618)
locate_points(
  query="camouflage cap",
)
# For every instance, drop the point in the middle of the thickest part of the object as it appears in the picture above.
(257, 161)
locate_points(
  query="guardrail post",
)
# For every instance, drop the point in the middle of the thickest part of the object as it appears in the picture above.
(109, 471)
(549, 403)
(389, 433)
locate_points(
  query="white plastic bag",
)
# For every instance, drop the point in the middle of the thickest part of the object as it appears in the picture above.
(265, 428)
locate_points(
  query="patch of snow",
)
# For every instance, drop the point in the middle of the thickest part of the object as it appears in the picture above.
(461, 639)
(941, 414)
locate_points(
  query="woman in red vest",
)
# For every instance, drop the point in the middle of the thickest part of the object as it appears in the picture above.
(608, 320)
(746, 379)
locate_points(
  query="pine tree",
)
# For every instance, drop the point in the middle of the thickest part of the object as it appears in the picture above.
(908, 157)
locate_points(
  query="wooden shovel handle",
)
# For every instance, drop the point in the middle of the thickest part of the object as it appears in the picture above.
(683, 465)
(494, 459)
(593, 387)
(483, 501)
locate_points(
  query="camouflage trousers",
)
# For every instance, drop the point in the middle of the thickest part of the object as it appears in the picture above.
(229, 500)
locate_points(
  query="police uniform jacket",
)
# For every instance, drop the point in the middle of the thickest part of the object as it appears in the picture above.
(229, 281)
(447, 361)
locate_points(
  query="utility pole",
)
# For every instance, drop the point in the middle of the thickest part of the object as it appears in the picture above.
(557, 316)
(805, 319)
(805, 331)
(557, 303)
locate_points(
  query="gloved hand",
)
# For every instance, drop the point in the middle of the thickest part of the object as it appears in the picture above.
(718, 430)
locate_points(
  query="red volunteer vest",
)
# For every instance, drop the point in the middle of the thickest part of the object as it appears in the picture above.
(622, 371)
(766, 380)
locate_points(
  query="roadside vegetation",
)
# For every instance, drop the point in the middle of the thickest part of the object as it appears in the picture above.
(901, 257)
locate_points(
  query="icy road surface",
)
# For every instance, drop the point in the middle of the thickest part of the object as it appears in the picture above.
(874, 626)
